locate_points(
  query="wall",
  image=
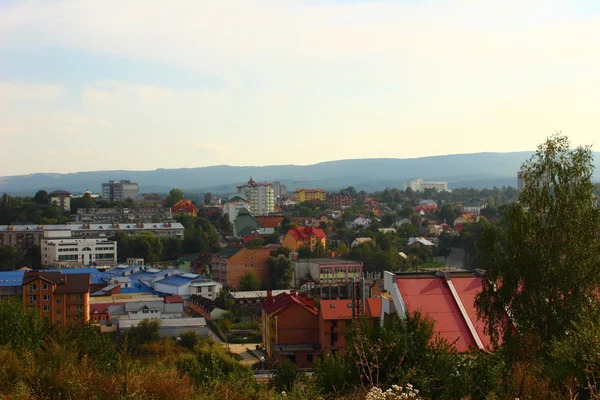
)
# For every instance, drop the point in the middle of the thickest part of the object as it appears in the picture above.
(248, 260)
(297, 325)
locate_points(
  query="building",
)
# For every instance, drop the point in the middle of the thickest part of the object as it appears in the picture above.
(120, 191)
(120, 215)
(306, 236)
(63, 299)
(419, 185)
(474, 209)
(290, 328)
(303, 195)
(145, 309)
(418, 242)
(244, 224)
(61, 198)
(205, 307)
(24, 237)
(327, 271)
(251, 298)
(185, 207)
(260, 195)
(447, 298)
(335, 318)
(361, 222)
(360, 240)
(338, 200)
(280, 189)
(59, 249)
(229, 265)
(172, 327)
(233, 206)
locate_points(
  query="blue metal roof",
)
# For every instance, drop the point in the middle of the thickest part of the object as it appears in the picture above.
(98, 277)
(175, 280)
(11, 278)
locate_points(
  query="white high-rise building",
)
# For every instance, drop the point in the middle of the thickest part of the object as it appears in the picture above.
(120, 191)
(419, 185)
(233, 206)
(260, 195)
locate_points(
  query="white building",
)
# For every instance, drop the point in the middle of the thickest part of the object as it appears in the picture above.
(120, 191)
(260, 195)
(146, 309)
(361, 222)
(61, 199)
(59, 249)
(233, 206)
(475, 210)
(419, 185)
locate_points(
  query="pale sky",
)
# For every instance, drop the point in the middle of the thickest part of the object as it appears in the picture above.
(144, 84)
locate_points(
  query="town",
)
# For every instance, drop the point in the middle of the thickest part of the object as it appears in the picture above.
(280, 280)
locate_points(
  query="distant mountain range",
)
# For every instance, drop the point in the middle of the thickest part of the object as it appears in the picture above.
(478, 170)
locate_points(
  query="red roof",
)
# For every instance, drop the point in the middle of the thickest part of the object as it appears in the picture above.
(467, 289)
(284, 300)
(305, 232)
(173, 299)
(433, 298)
(184, 206)
(269, 222)
(374, 307)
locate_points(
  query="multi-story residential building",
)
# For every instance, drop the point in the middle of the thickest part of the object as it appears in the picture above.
(290, 328)
(62, 298)
(61, 198)
(338, 200)
(280, 189)
(185, 207)
(59, 249)
(26, 236)
(120, 191)
(303, 195)
(229, 265)
(327, 271)
(260, 195)
(232, 207)
(419, 185)
(140, 214)
(304, 236)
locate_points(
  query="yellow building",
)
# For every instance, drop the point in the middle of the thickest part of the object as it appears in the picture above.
(309, 195)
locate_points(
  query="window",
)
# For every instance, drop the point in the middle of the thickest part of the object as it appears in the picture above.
(58, 312)
(32, 287)
(32, 299)
(309, 358)
(145, 311)
(58, 301)
(46, 297)
(46, 308)
(334, 338)
(78, 297)
(46, 286)
(78, 307)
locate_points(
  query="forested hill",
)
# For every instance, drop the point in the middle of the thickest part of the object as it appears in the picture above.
(478, 170)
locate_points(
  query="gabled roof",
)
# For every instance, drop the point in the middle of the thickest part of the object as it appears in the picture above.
(228, 251)
(421, 240)
(283, 301)
(269, 222)
(306, 232)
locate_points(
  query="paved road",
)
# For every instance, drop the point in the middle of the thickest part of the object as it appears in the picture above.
(456, 258)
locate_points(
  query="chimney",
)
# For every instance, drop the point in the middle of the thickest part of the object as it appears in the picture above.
(293, 292)
(269, 295)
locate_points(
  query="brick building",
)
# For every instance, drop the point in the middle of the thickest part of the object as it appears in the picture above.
(231, 263)
(304, 236)
(338, 200)
(185, 207)
(290, 328)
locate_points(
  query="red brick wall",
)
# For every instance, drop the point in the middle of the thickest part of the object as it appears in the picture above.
(248, 260)
(297, 325)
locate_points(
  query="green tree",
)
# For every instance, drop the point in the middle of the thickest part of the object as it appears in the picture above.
(21, 328)
(147, 331)
(447, 214)
(285, 376)
(175, 196)
(388, 219)
(41, 197)
(10, 258)
(189, 339)
(542, 269)
(281, 272)
(249, 282)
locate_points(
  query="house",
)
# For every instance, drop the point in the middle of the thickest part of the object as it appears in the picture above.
(232, 207)
(303, 195)
(268, 222)
(201, 264)
(474, 209)
(436, 230)
(335, 318)
(387, 230)
(62, 298)
(361, 222)
(463, 219)
(360, 240)
(304, 236)
(427, 202)
(418, 242)
(231, 263)
(290, 328)
(401, 222)
(251, 298)
(244, 224)
(185, 207)
(447, 298)
(139, 310)
(205, 307)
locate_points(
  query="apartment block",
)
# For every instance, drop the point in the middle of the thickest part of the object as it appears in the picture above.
(260, 195)
(120, 191)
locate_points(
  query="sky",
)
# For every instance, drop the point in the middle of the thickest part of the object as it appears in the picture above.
(144, 84)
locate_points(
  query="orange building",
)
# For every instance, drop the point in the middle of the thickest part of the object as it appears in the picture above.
(304, 236)
(335, 318)
(185, 207)
(231, 263)
(290, 328)
(63, 298)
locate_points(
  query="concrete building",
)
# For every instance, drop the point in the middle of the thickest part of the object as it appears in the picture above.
(280, 189)
(327, 271)
(146, 309)
(61, 198)
(303, 195)
(338, 200)
(172, 327)
(120, 191)
(232, 207)
(419, 185)
(59, 250)
(260, 195)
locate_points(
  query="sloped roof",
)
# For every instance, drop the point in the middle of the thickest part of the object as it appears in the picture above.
(467, 289)
(305, 232)
(228, 251)
(269, 222)
(184, 206)
(284, 300)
